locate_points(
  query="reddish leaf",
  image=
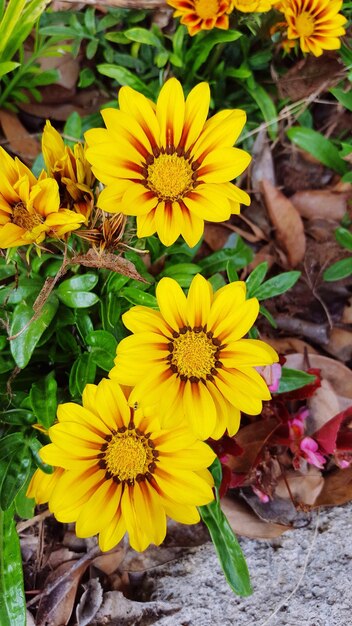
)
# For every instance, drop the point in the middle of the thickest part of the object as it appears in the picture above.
(327, 435)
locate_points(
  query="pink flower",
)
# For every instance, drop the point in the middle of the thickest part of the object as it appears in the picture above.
(309, 447)
(271, 375)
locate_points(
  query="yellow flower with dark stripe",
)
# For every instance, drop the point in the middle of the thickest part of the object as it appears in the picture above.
(253, 6)
(70, 169)
(316, 23)
(200, 15)
(30, 208)
(190, 361)
(118, 471)
(166, 164)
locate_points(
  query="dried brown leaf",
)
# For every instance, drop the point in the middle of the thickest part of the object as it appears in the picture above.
(289, 230)
(89, 603)
(337, 488)
(323, 406)
(304, 487)
(55, 608)
(245, 523)
(262, 166)
(20, 141)
(251, 439)
(117, 610)
(340, 344)
(286, 345)
(321, 204)
(310, 76)
(108, 562)
(108, 261)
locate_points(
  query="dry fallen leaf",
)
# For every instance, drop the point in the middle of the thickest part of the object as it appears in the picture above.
(323, 406)
(321, 204)
(90, 602)
(56, 607)
(304, 487)
(117, 610)
(108, 562)
(262, 166)
(289, 230)
(340, 344)
(339, 376)
(19, 140)
(311, 75)
(245, 523)
(337, 488)
(286, 345)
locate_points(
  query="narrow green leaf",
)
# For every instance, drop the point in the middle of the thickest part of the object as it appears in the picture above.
(15, 475)
(135, 296)
(318, 146)
(267, 107)
(339, 270)
(141, 35)
(294, 379)
(43, 399)
(23, 345)
(85, 371)
(231, 270)
(344, 97)
(124, 77)
(199, 52)
(73, 131)
(344, 238)
(7, 67)
(256, 278)
(276, 285)
(241, 255)
(225, 542)
(12, 599)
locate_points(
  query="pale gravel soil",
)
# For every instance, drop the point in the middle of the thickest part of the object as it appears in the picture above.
(323, 598)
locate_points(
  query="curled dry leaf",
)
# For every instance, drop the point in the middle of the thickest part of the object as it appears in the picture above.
(251, 439)
(245, 523)
(289, 230)
(108, 261)
(262, 166)
(278, 511)
(321, 204)
(55, 608)
(287, 345)
(117, 610)
(340, 344)
(304, 487)
(108, 562)
(89, 603)
(310, 77)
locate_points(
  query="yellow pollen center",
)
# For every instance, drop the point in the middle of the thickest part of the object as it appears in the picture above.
(128, 455)
(305, 24)
(194, 354)
(21, 217)
(170, 177)
(207, 8)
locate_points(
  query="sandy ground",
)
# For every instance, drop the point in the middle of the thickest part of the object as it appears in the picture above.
(302, 578)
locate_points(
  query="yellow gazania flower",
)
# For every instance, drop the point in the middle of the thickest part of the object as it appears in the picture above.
(120, 471)
(316, 23)
(70, 169)
(253, 6)
(189, 359)
(199, 15)
(166, 164)
(30, 208)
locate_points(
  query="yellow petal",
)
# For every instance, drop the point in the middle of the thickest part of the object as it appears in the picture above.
(172, 303)
(199, 409)
(196, 111)
(110, 536)
(223, 164)
(220, 131)
(199, 301)
(248, 352)
(143, 319)
(184, 487)
(170, 113)
(99, 510)
(226, 301)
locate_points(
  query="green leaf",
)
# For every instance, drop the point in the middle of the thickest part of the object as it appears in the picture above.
(256, 278)
(10, 444)
(180, 268)
(17, 417)
(318, 146)
(82, 282)
(344, 97)
(294, 379)
(78, 299)
(339, 270)
(84, 372)
(124, 77)
(264, 311)
(225, 542)
(8, 66)
(232, 271)
(135, 296)
(43, 400)
(73, 131)
(267, 107)
(15, 475)
(23, 345)
(276, 285)
(241, 255)
(12, 599)
(199, 52)
(344, 237)
(141, 35)
(35, 446)
(103, 348)
(24, 506)
(6, 270)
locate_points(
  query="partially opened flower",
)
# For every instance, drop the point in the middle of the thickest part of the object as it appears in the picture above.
(30, 208)
(70, 169)
(190, 360)
(316, 23)
(200, 15)
(166, 164)
(253, 6)
(117, 470)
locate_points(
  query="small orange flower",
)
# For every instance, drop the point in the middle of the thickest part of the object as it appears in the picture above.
(202, 14)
